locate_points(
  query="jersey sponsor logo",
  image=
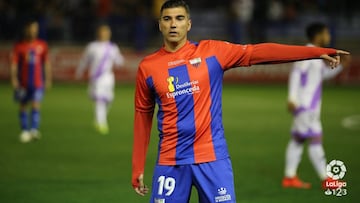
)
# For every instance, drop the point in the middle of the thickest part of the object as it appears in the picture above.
(170, 81)
(186, 88)
(39, 49)
(195, 62)
(223, 195)
(177, 62)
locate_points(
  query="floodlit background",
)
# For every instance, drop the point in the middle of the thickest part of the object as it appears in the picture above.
(73, 163)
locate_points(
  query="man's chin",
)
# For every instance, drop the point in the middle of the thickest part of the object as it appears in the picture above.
(173, 39)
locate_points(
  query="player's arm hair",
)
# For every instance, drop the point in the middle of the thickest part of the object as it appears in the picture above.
(272, 53)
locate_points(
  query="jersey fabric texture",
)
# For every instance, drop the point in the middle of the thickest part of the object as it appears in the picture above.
(187, 87)
(30, 58)
(305, 90)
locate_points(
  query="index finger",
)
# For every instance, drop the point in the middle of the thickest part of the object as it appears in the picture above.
(342, 52)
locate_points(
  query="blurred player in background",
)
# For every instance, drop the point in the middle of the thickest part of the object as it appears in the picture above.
(30, 73)
(185, 80)
(304, 102)
(101, 56)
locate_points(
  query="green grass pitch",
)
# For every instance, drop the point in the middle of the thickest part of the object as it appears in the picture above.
(72, 163)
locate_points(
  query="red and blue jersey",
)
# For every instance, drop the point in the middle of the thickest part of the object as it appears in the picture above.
(30, 58)
(187, 87)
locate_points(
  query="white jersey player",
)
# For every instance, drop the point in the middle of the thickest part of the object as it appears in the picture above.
(304, 101)
(100, 57)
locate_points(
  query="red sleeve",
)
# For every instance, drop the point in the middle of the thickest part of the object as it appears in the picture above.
(231, 55)
(271, 53)
(144, 110)
(14, 56)
(46, 52)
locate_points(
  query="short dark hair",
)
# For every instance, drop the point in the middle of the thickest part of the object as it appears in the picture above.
(174, 4)
(314, 29)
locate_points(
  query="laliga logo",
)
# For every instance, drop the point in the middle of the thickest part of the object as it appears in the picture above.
(336, 169)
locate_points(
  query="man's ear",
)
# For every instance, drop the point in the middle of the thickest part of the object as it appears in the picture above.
(189, 25)
(159, 25)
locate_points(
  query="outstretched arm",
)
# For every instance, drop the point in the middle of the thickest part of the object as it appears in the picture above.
(236, 55)
(271, 53)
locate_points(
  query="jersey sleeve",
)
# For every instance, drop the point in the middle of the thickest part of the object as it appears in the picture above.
(45, 55)
(231, 55)
(14, 55)
(329, 73)
(144, 110)
(272, 53)
(295, 81)
(119, 58)
(84, 61)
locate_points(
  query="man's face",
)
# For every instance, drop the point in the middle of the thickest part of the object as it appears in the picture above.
(32, 30)
(174, 24)
(104, 33)
(325, 37)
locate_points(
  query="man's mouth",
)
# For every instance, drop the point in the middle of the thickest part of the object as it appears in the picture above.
(173, 33)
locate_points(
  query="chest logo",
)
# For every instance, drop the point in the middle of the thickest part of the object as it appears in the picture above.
(170, 81)
(195, 62)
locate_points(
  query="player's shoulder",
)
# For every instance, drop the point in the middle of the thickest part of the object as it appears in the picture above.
(214, 43)
(92, 44)
(152, 58)
(41, 42)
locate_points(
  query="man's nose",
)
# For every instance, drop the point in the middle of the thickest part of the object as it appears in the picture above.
(173, 24)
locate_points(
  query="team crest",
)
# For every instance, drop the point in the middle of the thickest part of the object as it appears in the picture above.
(195, 62)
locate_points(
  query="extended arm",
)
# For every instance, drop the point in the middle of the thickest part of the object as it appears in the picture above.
(271, 53)
(236, 55)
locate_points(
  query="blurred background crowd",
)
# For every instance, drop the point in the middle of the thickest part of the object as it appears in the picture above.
(133, 22)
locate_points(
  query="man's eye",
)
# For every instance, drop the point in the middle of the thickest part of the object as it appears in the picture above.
(180, 18)
(166, 18)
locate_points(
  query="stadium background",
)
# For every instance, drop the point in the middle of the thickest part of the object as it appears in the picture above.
(74, 164)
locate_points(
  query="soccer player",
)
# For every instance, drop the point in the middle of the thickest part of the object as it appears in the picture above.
(304, 102)
(185, 80)
(30, 73)
(101, 56)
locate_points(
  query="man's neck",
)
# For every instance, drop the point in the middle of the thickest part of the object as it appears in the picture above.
(30, 39)
(174, 46)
